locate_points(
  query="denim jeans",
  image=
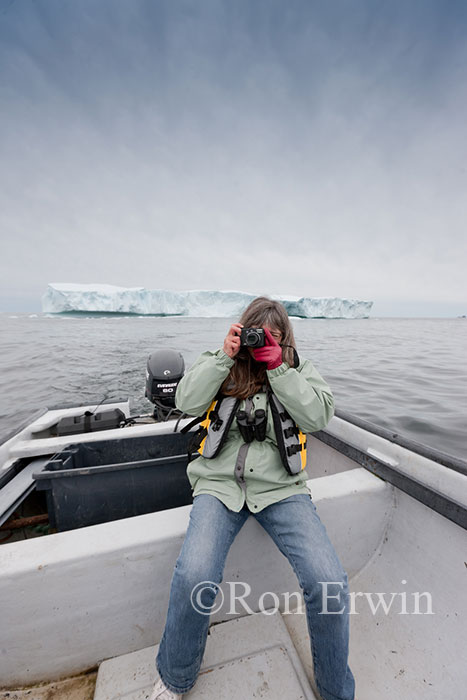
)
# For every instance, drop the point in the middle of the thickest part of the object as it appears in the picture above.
(297, 530)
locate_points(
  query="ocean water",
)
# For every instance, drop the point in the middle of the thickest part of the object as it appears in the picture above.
(405, 374)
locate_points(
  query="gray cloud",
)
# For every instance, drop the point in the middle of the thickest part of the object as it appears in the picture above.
(244, 146)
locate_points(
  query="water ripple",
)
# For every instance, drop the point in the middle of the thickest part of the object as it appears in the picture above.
(407, 375)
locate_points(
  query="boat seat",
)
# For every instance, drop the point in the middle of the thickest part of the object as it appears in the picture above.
(85, 578)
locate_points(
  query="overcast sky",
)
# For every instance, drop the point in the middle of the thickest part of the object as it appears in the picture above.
(283, 147)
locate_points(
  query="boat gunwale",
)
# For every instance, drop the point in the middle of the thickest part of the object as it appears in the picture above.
(446, 460)
(441, 503)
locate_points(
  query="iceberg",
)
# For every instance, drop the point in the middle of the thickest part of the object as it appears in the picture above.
(108, 299)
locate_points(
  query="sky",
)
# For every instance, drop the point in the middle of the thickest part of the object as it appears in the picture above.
(274, 147)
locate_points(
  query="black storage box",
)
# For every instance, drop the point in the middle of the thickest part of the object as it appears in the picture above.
(94, 482)
(90, 422)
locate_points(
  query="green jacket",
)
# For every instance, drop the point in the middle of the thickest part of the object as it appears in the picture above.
(253, 473)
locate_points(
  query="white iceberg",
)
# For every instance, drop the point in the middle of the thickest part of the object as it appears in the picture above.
(106, 298)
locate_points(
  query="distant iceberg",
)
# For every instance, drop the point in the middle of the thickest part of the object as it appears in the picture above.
(105, 298)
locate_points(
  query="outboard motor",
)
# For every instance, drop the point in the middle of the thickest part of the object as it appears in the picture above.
(164, 370)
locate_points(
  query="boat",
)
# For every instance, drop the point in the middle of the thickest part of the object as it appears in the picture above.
(84, 601)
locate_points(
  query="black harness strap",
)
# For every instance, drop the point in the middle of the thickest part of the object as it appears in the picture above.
(189, 426)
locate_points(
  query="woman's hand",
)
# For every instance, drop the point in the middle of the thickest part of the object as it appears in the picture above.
(271, 353)
(232, 340)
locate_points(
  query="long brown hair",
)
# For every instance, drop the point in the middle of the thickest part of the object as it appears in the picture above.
(248, 376)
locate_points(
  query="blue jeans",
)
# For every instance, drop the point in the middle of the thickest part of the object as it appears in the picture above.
(297, 530)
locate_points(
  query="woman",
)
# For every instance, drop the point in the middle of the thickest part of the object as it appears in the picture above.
(246, 474)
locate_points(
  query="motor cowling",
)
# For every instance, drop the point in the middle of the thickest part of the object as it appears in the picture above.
(164, 370)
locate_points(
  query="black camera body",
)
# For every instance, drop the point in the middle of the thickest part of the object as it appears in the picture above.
(252, 337)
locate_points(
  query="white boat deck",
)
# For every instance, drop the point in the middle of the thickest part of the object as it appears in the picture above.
(247, 657)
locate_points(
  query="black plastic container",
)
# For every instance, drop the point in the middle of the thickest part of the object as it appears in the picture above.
(90, 422)
(96, 482)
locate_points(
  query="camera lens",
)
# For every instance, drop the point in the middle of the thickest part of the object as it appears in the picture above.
(252, 338)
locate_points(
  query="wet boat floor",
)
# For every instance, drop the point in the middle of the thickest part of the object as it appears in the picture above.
(77, 688)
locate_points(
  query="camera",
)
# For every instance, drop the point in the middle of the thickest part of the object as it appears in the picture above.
(252, 337)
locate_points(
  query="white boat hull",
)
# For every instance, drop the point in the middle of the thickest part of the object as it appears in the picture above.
(73, 599)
